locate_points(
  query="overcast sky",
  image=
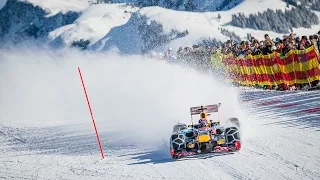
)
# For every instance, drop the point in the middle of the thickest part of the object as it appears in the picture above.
(2, 3)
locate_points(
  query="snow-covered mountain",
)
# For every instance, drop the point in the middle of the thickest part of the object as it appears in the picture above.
(2, 3)
(138, 26)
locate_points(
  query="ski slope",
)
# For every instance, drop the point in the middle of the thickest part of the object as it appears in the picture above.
(46, 130)
(2, 3)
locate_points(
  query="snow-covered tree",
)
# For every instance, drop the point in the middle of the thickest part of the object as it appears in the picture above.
(277, 21)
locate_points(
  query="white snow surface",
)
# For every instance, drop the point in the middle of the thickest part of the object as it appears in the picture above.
(53, 7)
(2, 3)
(46, 130)
(97, 21)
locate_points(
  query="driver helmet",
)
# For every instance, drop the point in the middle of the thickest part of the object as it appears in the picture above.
(203, 116)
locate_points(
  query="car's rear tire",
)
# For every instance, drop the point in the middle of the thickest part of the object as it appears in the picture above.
(177, 142)
(232, 135)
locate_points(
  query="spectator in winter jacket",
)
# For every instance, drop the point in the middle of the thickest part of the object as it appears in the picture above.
(268, 40)
(267, 47)
(279, 47)
(314, 41)
(256, 48)
(316, 37)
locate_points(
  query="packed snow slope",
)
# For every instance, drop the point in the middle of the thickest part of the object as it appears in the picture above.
(46, 130)
(2, 3)
(125, 28)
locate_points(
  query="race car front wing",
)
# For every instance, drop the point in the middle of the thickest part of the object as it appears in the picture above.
(217, 149)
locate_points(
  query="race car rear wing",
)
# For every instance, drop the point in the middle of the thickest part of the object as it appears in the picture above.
(206, 109)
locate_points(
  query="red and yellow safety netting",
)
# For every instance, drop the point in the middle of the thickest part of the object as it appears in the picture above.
(297, 66)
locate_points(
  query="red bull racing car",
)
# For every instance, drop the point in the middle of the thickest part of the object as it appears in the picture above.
(206, 136)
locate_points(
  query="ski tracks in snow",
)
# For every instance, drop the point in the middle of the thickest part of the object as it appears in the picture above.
(283, 145)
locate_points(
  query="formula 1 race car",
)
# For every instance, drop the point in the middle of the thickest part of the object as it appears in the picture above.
(202, 138)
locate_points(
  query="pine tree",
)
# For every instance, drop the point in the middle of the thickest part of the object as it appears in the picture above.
(278, 20)
(190, 6)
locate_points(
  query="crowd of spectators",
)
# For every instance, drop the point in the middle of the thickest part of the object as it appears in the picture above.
(268, 45)
(199, 55)
(255, 46)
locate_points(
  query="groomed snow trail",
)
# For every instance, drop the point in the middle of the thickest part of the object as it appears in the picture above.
(280, 130)
(275, 147)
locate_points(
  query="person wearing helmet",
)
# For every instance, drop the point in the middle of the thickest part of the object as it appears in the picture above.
(203, 119)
